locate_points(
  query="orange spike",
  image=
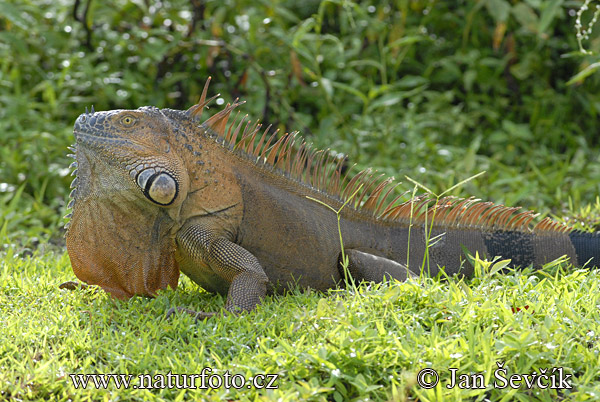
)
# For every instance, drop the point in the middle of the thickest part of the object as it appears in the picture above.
(273, 152)
(303, 164)
(214, 120)
(317, 170)
(367, 187)
(251, 139)
(233, 138)
(334, 179)
(505, 216)
(349, 190)
(452, 206)
(404, 210)
(240, 144)
(486, 216)
(205, 89)
(338, 165)
(229, 130)
(424, 200)
(373, 200)
(441, 208)
(528, 220)
(407, 209)
(248, 136)
(262, 139)
(512, 224)
(475, 213)
(282, 154)
(220, 128)
(390, 205)
(249, 130)
(267, 146)
(324, 173)
(541, 225)
(466, 211)
(494, 215)
(387, 194)
(334, 183)
(297, 164)
(288, 154)
(345, 178)
(196, 110)
(389, 213)
(309, 160)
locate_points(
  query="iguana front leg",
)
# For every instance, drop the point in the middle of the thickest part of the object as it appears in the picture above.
(229, 261)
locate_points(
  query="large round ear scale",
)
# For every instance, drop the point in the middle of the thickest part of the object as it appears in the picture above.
(159, 187)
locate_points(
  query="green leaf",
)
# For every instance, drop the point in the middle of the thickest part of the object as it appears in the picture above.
(548, 14)
(525, 16)
(498, 9)
(406, 40)
(327, 86)
(14, 15)
(350, 90)
(583, 74)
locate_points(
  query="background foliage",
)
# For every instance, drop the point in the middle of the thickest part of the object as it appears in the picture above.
(435, 90)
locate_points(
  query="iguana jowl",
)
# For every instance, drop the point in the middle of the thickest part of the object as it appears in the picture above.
(158, 191)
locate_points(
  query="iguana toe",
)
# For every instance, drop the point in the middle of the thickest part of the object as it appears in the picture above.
(198, 315)
(72, 285)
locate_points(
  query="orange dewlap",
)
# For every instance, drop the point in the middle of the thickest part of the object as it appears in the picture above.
(123, 261)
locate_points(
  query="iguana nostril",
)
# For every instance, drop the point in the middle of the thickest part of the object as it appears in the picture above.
(79, 122)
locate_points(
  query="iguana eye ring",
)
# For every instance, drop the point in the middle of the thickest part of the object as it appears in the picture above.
(159, 187)
(128, 120)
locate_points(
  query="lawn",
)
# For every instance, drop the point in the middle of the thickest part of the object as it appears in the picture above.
(368, 343)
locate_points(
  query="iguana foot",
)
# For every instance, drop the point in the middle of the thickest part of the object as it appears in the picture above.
(198, 315)
(72, 285)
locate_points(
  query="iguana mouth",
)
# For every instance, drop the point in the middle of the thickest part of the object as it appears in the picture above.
(95, 141)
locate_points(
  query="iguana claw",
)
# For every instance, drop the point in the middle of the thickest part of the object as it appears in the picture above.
(198, 315)
(72, 285)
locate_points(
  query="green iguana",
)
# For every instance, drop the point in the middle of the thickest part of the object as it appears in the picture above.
(158, 191)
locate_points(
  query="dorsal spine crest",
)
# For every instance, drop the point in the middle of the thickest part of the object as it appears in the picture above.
(315, 168)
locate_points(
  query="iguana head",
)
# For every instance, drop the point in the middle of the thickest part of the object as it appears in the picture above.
(129, 186)
(136, 142)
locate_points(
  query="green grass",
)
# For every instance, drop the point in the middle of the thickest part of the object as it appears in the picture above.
(342, 345)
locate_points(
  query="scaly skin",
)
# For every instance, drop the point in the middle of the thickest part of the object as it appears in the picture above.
(158, 193)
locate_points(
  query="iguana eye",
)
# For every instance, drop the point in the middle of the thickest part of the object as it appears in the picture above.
(159, 187)
(128, 121)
